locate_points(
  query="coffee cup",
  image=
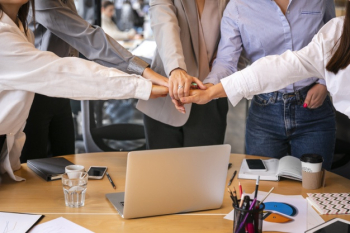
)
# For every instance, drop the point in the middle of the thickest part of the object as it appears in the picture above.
(311, 163)
(312, 172)
(73, 171)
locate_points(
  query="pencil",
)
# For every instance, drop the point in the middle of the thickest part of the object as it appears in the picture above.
(235, 195)
(240, 189)
(267, 195)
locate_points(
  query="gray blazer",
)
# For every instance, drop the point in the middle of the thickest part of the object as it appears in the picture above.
(175, 27)
(61, 30)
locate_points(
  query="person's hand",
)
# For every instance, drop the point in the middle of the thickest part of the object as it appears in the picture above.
(316, 96)
(197, 97)
(158, 91)
(155, 78)
(208, 85)
(204, 96)
(180, 106)
(180, 84)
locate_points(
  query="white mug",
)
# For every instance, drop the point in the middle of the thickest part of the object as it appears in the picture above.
(73, 171)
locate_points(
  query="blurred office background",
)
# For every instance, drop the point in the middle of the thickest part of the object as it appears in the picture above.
(133, 15)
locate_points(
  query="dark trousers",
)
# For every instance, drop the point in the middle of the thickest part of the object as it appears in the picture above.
(50, 124)
(2, 141)
(206, 126)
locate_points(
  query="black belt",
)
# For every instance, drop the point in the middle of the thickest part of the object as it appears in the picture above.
(2, 141)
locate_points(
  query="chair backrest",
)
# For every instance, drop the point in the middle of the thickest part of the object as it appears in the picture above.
(343, 127)
(97, 136)
(89, 143)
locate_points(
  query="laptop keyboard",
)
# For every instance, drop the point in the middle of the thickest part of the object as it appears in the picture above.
(122, 203)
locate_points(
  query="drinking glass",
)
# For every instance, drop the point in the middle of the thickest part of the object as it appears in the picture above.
(74, 188)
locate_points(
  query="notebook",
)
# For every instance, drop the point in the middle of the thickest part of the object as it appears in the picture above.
(288, 167)
(330, 203)
(49, 168)
(18, 222)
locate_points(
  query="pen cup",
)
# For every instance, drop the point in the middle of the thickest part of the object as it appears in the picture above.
(248, 220)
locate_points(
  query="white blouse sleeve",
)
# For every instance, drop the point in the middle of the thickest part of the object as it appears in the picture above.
(25, 68)
(275, 72)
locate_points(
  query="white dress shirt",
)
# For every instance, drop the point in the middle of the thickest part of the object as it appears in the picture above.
(113, 31)
(24, 70)
(293, 66)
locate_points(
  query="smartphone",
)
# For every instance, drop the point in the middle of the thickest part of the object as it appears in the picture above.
(97, 172)
(256, 165)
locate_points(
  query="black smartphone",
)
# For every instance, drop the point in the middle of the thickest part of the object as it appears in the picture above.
(97, 172)
(256, 164)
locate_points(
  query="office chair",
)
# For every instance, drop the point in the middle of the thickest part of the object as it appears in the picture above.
(342, 145)
(95, 133)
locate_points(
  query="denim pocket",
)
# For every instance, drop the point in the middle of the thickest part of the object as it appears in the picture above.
(261, 100)
(326, 107)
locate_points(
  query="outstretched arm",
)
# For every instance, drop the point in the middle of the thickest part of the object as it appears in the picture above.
(91, 41)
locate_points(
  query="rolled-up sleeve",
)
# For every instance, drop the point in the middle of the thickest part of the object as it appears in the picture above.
(45, 73)
(91, 41)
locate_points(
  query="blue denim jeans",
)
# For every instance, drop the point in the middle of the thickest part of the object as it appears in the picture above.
(278, 124)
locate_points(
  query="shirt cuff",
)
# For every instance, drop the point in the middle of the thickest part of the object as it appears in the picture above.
(143, 89)
(321, 81)
(211, 79)
(231, 88)
(137, 65)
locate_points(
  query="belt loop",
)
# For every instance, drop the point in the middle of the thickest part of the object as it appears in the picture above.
(297, 96)
(274, 97)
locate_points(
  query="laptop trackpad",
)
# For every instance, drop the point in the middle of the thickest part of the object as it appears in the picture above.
(117, 199)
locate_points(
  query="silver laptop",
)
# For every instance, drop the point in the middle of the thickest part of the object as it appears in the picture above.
(172, 181)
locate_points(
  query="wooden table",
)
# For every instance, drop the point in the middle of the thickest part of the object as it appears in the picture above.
(38, 196)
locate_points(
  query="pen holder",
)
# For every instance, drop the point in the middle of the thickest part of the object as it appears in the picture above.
(248, 220)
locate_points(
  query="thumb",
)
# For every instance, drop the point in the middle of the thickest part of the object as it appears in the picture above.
(199, 83)
(188, 99)
(307, 100)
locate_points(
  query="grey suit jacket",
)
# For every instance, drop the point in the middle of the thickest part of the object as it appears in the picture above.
(59, 29)
(175, 26)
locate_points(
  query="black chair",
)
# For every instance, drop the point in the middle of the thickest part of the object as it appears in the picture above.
(95, 133)
(342, 145)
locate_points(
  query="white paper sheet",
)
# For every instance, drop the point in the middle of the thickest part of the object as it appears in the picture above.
(300, 222)
(17, 223)
(313, 218)
(59, 225)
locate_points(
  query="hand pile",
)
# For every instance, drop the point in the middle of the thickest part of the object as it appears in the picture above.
(180, 86)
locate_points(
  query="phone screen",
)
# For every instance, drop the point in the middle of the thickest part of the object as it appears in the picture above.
(339, 227)
(255, 164)
(96, 171)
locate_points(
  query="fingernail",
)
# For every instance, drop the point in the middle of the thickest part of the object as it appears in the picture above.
(305, 105)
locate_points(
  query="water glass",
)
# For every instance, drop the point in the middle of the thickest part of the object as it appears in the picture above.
(74, 189)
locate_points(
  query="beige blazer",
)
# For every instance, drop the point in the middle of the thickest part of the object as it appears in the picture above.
(175, 26)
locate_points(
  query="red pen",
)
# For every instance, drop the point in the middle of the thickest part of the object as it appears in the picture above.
(240, 188)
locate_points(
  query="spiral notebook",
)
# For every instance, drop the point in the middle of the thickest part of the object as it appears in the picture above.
(330, 203)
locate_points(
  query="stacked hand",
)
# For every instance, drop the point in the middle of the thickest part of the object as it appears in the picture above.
(160, 83)
(180, 84)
